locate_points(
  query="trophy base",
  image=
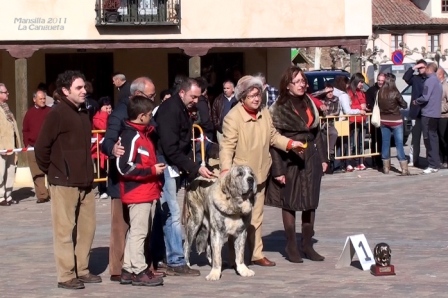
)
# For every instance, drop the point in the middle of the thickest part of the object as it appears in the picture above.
(382, 270)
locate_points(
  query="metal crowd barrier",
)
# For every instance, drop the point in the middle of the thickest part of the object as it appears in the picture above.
(352, 136)
(95, 140)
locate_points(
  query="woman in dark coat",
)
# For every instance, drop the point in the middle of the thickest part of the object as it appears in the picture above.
(295, 179)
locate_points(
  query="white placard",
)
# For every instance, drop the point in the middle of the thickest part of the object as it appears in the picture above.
(356, 244)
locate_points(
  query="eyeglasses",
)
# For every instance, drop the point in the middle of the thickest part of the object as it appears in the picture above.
(4, 92)
(300, 82)
(253, 96)
(148, 96)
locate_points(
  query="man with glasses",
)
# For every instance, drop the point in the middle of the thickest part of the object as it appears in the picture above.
(417, 82)
(111, 146)
(9, 139)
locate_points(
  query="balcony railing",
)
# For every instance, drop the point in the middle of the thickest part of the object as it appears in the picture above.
(137, 12)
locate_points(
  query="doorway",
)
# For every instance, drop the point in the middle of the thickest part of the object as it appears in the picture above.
(96, 67)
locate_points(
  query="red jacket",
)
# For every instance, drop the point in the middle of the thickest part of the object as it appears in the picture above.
(316, 101)
(357, 99)
(139, 182)
(99, 123)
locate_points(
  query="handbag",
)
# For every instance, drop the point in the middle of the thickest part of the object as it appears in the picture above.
(376, 118)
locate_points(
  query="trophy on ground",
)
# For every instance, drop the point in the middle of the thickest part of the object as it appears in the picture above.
(382, 255)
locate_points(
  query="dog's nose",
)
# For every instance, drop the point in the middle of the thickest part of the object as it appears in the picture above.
(251, 181)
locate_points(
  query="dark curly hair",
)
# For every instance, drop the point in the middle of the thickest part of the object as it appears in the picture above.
(66, 79)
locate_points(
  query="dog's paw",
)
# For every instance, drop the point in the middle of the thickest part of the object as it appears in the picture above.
(244, 271)
(215, 274)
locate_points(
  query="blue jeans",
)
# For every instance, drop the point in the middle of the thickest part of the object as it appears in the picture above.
(172, 227)
(386, 133)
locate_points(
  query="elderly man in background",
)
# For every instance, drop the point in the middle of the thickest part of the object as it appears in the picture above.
(221, 106)
(32, 124)
(123, 86)
(431, 108)
(443, 122)
(9, 139)
(112, 147)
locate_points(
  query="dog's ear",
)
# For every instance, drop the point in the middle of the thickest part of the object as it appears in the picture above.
(228, 186)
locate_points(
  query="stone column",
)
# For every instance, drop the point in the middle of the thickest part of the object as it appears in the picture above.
(194, 64)
(21, 53)
(194, 67)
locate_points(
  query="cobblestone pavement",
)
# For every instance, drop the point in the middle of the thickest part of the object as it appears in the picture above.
(409, 213)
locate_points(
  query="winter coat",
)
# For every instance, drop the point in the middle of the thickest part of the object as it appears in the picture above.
(246, 141)
(303, 173)
(9, 133)
(63, 146)
(390, 106)
(139, 182)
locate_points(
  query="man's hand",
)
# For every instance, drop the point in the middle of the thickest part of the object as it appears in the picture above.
(118, 150)
(281, 179)
(417, 66)
(206, 173)
(160, 167)
(324, 167)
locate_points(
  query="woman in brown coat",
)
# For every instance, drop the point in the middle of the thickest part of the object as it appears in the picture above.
(295, 179)
(247, 134)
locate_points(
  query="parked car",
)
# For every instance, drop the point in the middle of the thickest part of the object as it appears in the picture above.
(318, 78)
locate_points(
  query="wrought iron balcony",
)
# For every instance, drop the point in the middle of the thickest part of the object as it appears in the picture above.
(137, 12)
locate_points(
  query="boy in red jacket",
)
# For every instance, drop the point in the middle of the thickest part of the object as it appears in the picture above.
(140, 186)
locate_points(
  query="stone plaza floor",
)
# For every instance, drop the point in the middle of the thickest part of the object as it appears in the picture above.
(408, 213)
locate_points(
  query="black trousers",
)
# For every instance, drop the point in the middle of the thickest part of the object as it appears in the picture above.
(431, 139)
(443, 139)
(416, 139)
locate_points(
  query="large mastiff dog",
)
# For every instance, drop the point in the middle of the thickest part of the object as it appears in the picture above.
(215, 210)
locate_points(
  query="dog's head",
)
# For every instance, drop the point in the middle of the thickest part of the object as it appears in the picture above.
(240, 185)
(382, 254)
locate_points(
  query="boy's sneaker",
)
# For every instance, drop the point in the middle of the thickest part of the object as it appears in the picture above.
(430, 170)
(361, 167)
(183, 270)
(126, 277)
(349, 169)
(147, 278)
(104, 196)
(72, 284)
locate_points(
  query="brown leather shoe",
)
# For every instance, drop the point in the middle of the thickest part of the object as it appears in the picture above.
(89, 278)
(115, 278)
(4, 203)
(264, 262)
(72, 284)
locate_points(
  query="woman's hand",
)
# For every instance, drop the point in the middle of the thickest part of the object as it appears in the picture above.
(297, 144)
(324, 167)
(281, 179)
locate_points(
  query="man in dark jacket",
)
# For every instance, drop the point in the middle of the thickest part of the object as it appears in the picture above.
(63, 153)
(222, 105)
(417, 82)
(119, 81)
(174, 128)
(112, 148)
(431, 109)
(375, 131)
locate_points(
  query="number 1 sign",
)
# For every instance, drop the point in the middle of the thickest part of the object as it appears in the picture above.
(356, 244)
